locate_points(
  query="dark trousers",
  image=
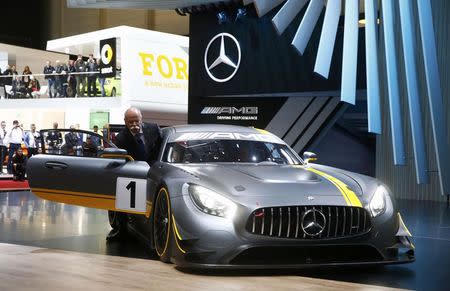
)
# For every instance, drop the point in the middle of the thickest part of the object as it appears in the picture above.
(19, 171)
(12, 149)
(91, 85)
(3, 153)
(51, 88)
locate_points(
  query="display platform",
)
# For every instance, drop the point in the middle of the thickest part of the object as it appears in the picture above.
(8, 184)
(73, 239)
(52, 269)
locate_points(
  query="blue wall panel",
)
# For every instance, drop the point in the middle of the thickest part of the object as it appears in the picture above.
(373, 82)
(435, 99)
(415, 115)
(350, 54)
(398, 146)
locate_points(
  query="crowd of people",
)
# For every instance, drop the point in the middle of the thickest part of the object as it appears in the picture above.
(14, 140)
(11, 147)
(72, 79)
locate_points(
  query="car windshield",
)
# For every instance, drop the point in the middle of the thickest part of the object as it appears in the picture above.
(229, 151)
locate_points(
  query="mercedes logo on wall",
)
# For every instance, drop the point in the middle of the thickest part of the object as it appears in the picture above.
(313, 222)
(222, 57)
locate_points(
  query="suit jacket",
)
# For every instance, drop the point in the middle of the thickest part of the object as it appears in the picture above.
(152, 136)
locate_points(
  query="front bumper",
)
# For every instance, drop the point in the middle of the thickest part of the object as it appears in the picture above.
(401, 259)
(205, 241)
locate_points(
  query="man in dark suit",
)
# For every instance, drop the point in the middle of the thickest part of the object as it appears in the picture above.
(142, 141)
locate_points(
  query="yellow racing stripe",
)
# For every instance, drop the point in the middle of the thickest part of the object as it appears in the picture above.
(350, 197)
(92, 200)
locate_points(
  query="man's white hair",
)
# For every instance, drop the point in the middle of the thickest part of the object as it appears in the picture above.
(133, 109)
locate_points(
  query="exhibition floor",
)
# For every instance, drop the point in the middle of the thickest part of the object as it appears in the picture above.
(40, 238)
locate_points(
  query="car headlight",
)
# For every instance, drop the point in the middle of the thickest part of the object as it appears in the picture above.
(378, 203)
(211, 202)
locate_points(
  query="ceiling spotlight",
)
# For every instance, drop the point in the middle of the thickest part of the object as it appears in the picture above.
(222, 17)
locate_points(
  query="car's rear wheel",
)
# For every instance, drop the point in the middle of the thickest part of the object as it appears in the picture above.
(161, 225)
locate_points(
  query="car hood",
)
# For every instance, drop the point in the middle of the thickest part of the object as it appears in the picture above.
(272, 184)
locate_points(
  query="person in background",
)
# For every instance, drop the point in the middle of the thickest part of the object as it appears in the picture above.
(80, 140)
(50, 77)
(19, 163)
(95, 139)
(18, 87)
(60, 77)
(34, 87)
(80, 68)
(26, 76)
(3, 148)
(92, 68)
(71, 139)
(32, 141)
(14, 138)
(54, 139)
(101, 79)
(71, 80)
(89, 148)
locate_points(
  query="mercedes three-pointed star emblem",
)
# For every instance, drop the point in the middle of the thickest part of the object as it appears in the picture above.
(223, 58)
(313, 222)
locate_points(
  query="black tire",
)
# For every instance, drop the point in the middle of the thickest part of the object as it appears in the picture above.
(162, 223)
(113, 92)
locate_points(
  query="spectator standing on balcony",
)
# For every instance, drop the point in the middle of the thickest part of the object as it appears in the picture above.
(101, 79)
(80, 67)
(92, 68)
(7, 72)
(50, 77)
(32, 140)
(14, 137)
(71, 81)
(3, 148)
(26, 76)
(60, 78)
(10, 71)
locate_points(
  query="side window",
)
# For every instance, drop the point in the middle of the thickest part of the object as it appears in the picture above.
(72, 143)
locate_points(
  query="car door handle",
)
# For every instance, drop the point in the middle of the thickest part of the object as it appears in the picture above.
(55, 165)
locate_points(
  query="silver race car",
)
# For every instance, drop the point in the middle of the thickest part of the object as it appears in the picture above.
(228, 196)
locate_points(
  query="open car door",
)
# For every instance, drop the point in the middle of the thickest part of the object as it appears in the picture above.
(81, 168)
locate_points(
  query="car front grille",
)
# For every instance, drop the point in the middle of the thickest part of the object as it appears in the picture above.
(309, 222)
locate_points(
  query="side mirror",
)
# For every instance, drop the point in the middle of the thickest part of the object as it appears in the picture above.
(116, 153)
(309, 157)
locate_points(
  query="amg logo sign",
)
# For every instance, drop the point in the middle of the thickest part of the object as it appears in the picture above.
(230, 110)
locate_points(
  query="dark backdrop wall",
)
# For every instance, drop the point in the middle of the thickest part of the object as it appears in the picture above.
(270, 66)
(24, 23)
(277, 86)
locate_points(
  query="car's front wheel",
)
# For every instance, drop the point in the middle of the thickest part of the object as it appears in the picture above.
(161, 225)
(117, 221)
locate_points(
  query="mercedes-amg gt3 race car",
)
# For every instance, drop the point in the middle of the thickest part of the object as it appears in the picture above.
(228, 196)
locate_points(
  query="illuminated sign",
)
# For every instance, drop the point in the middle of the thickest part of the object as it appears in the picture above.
(108, 57)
